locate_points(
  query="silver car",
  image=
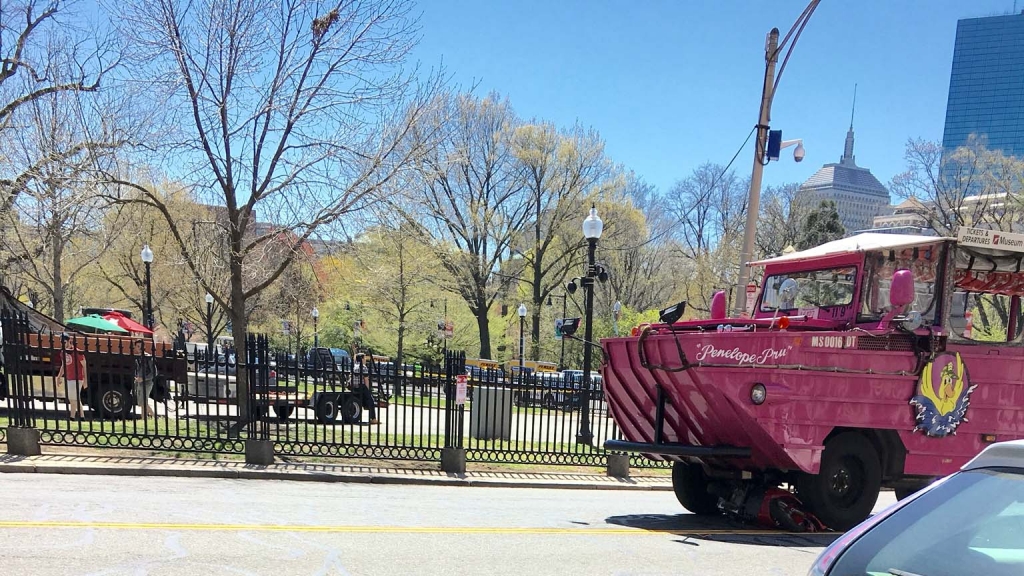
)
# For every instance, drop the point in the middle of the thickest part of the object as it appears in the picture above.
(971, 522)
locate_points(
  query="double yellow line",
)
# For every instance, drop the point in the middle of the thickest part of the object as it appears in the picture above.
(383, 529)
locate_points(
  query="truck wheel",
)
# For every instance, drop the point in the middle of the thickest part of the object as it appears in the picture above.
(351, 410)
(326, 411)
(846, 488)
(906, 491)
(258, 412)
(112, 402)
(690, 484)
(283, 412)
(549, 401)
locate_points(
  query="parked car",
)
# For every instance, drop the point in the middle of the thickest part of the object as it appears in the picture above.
(330, 359)
(971, 522)
(216, 381)
(596, 382)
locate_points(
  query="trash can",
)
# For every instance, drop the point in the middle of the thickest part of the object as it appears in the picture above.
(490, 414)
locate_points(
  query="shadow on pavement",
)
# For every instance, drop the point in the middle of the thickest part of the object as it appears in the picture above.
(720, 529)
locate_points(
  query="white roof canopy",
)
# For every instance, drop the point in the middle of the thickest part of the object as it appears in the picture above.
(859, 243)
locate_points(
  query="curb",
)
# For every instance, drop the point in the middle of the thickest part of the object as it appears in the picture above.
(261, 473)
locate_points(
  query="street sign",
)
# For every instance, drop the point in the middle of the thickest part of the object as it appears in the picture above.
(460, 389)
(286, 327)
(982, 238)
(558, 328)
(445, 329)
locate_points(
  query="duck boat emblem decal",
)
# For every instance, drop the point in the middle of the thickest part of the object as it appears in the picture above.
(943, 395)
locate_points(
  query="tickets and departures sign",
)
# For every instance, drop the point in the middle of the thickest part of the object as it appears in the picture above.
(460, 389)
(992, 239)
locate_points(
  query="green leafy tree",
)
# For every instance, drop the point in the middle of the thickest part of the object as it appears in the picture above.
(821, 225)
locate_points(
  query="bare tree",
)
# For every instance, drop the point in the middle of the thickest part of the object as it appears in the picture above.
(177, 296)
(473, 200)
(638, 258)
(54, 224)
(969, 186)
(708, 206)
(393, 267)
(783, 209)
(43, 56)
(297, 111)
(561, 169)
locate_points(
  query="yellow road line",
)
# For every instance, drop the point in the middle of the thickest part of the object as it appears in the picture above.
(384, 529)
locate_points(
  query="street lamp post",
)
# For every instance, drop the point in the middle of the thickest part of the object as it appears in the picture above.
(616, 313)
(522, 338)
(592, 228)
(771, 83)
(316, 331)
(561, 356)
(147, 314)
(209, 324)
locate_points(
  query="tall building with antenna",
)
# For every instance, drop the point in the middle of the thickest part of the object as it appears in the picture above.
(986, 84)
(858, 195)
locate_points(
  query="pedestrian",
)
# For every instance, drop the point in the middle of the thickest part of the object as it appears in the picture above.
(145, 374)
(364, 390)
(73, 375)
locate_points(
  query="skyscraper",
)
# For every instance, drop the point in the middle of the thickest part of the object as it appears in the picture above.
(986, 84)
(858, 195)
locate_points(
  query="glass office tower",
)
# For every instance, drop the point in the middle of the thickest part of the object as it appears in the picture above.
(986, 85)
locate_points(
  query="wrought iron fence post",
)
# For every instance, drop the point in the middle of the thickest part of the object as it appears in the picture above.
(22, 436)
(453, 455)
(259, 449)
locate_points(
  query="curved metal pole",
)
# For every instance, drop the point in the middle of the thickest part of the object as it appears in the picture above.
(771, 82)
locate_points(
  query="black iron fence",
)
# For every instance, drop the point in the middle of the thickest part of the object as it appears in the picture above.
(143, 395)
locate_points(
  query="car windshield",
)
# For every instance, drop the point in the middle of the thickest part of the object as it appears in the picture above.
(809, 289)
(972, 523)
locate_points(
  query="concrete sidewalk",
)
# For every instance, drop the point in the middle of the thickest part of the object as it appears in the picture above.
(146, 466)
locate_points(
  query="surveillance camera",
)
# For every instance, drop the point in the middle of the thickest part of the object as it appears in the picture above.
(798, 154)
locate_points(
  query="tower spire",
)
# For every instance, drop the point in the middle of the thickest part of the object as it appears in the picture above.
(853, 108)
(848, 158)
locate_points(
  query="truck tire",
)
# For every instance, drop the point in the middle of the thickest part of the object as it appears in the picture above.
(112, 402)
(351, 410)
(906, 491)
(549, 401)
(903, 492)
(283, 412)
(691, 487)
(326, 410)
(845, 490)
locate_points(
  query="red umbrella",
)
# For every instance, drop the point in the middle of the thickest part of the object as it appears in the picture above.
(126, 323)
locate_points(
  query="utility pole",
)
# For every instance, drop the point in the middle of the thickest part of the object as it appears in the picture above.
(754, 201)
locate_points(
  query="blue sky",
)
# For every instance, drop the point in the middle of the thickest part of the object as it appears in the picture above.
(671, 84)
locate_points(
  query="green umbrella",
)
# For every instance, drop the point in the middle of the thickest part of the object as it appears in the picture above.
(96, 323)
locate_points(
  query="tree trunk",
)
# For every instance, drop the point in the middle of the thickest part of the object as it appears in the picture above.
(485, 332)
(58, 281)
(535, 330)
(399, 372)
(239, 330)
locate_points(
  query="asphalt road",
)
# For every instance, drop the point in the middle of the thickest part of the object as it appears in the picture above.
(99, 525)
